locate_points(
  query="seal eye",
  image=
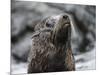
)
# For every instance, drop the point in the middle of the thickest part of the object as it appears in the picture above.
(50, 24)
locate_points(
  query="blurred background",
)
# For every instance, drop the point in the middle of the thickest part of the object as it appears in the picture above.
(26, 14)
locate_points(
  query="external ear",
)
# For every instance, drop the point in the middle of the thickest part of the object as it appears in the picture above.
(35, 34)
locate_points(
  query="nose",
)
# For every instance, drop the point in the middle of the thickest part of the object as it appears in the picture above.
(65, 16)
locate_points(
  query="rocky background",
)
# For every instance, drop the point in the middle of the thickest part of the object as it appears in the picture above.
(26, 14)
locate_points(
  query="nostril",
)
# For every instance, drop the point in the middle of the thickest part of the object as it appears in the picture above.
(65, 16)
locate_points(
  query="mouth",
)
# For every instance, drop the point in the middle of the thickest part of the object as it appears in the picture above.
(66, 24)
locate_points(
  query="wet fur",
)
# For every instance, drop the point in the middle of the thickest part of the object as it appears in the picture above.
(51, 52)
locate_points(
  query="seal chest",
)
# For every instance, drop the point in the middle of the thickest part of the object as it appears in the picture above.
(51, 46)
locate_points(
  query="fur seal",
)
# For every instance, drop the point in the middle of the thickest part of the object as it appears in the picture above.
(51, 46)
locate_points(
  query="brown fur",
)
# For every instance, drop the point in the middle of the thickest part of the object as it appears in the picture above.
(51, 49)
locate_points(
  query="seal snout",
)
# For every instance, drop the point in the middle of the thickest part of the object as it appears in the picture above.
(65, 17)
(65, 20)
